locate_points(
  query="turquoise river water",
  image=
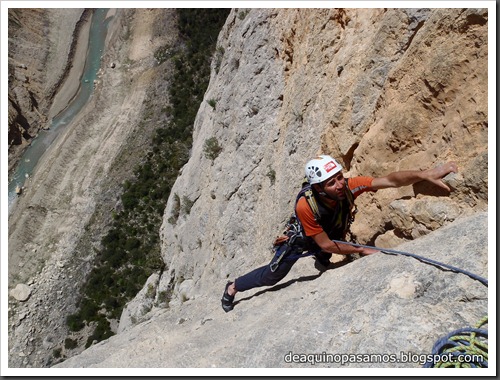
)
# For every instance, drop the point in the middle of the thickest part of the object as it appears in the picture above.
(97, 36)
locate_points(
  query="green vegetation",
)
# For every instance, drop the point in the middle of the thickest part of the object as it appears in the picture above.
(57, 353)
(163, 53)
(69, 343)
(187, 204)
(243, 14)
(211, 148)
(130, 251)
(271, 174)
(219, 54)
(176, 209)
(212, 103)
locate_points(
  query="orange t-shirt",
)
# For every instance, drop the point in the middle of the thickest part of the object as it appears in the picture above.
(357, 185)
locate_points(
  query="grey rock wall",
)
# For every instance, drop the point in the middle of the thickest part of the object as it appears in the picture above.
(372, 87)
(381, 90)
(380, 304)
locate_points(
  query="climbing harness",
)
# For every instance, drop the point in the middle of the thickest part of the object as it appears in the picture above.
(340, 217)
(283, 245)
(294, 231)
(462, 348)
(292, 244)
(483, 280)
(467, 347)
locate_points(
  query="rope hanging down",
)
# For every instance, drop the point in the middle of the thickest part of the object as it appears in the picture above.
(483, 280)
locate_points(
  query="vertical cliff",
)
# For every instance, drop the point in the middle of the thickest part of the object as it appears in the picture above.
(380, 89)
(382, 312)
(58, 222)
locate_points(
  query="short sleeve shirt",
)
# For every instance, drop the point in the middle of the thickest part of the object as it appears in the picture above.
(357, 185)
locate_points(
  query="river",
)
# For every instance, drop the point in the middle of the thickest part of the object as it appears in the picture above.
(27, 164)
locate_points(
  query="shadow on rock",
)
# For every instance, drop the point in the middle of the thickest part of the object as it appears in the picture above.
(283, 285)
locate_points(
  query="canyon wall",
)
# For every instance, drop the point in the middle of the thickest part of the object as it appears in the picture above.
(382, 90)
(42, 43)
(379, 89)
(67, 206)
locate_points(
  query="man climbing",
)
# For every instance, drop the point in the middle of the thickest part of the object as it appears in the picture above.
(324, 210)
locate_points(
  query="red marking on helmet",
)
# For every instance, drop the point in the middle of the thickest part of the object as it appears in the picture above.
(329, 166)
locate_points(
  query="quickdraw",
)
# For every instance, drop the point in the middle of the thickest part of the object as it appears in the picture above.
(292, 232)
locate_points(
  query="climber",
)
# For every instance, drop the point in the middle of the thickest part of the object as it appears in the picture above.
(324, 210)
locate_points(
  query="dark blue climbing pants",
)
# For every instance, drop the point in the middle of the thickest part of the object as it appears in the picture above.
(263, 276)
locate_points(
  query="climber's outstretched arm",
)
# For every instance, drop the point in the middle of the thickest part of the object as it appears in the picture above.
(409, 177)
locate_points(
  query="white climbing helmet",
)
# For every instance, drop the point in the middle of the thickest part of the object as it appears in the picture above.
(321, 168)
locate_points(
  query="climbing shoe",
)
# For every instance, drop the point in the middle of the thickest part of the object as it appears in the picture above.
(227, 300)
(323, 258)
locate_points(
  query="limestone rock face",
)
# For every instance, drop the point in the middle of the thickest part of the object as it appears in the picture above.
(392, 305)
(69, 200)
(21, 292)
(143, 302)
(380, 89)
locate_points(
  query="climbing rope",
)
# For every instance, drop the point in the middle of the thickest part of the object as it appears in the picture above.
(483, 280)
(463, 348)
